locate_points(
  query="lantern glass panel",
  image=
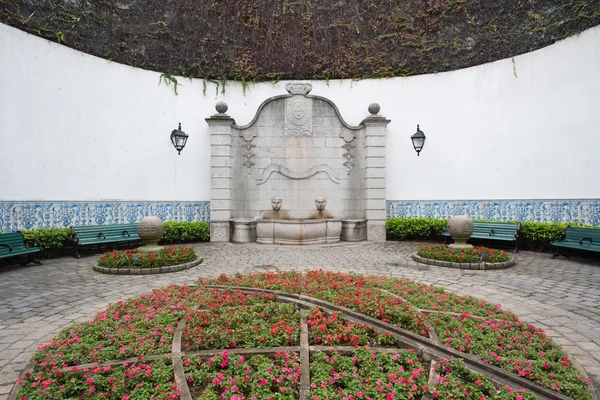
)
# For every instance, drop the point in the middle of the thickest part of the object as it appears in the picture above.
(418, 142)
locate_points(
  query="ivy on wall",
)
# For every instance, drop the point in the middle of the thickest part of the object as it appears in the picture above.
(257, 40)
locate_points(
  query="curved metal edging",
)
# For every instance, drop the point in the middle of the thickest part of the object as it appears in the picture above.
(496, 374)
(285, 96)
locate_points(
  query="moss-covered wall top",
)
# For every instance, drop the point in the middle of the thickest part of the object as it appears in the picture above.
(256, 40)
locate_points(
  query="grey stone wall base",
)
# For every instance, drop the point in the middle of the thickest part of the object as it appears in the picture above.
(479, 265)
(147, 271)
(220, 231)
(376, 231)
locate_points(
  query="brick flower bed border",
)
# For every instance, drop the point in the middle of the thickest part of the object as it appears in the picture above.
(479, 266)
(148, 271)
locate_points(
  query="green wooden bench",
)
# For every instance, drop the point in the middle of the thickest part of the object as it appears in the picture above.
(13, 244)
(103, 234)
(577, 238)
(502, 231)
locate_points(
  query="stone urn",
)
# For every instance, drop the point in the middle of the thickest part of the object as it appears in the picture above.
(151, 231)
(460, 228)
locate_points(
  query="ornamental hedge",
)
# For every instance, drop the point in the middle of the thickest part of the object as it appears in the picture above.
(533, 235)
(256, 40)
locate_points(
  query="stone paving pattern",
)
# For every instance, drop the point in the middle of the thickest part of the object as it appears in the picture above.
(562, 296)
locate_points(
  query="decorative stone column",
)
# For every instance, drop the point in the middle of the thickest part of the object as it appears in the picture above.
(220, 174)
(375, 202)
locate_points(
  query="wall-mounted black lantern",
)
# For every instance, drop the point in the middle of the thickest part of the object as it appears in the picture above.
(418, 140)
(179, 139)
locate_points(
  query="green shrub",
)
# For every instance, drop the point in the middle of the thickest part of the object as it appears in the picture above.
(533, 235)
(49, 238)
(53, 238)
(415, 228)
(186, 232)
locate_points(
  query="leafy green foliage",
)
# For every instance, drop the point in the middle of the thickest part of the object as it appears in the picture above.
(167, 256)
(255, 40)
(416, 228)
(184, 231)
(458, 382)
(367, 375)
(233, 376)
(49, 238)
(536, 235)
(175, 231)
(473, 255)
(540, 232)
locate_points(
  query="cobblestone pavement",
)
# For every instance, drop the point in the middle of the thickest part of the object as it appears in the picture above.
(561, 296)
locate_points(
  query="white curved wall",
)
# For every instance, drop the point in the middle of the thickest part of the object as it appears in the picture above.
(76, 127)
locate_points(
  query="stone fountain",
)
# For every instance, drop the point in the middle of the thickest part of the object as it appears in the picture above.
(297, 148)
(283, 227)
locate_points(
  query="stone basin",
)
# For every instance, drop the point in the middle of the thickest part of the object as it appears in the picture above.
(298, 231)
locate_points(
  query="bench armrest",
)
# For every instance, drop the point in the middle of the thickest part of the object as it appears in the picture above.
(492, 232)
(101, 235)
(586, 239)
(6, 245)
(126, 233)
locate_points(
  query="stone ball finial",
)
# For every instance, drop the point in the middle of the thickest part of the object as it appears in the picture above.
(298, 88)
(221, 107)
(374, 108)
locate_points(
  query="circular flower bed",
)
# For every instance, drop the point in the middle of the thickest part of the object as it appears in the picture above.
(476, 254)
(476, 258)
(169, 259)
(344, 339)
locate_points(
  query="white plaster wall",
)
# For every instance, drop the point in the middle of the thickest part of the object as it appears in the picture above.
(76, 127)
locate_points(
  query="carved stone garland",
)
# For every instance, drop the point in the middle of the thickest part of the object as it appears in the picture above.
(248, 155)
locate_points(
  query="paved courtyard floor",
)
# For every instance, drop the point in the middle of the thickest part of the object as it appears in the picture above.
(561, 296)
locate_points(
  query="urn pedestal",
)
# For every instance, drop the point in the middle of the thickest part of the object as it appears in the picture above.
(151, 231)
(460, 228)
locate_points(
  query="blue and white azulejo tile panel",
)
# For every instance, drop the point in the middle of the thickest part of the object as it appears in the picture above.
(15, 215)
(585, 211)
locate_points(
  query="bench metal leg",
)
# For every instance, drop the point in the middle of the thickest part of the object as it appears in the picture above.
(559, 253)
(76, 246)
(31, 259)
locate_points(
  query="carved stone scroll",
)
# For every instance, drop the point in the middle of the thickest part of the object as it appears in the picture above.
(288, 173)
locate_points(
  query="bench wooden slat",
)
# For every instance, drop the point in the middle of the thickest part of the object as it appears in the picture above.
(16, 241)
(99, 234)
(587, 239)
